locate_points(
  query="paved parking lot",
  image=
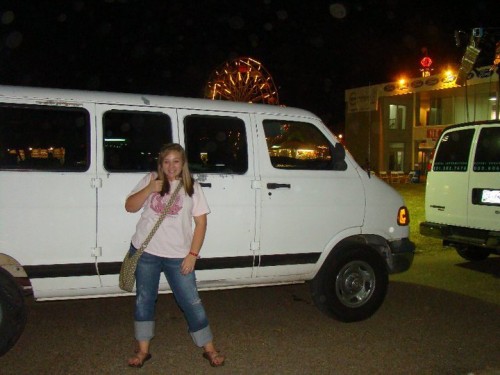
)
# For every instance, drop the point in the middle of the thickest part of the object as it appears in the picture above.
(420, 329)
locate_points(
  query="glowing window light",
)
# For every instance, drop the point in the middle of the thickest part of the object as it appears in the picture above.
(303, 153)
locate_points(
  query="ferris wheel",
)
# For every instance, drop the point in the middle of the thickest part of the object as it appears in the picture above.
(242, 80)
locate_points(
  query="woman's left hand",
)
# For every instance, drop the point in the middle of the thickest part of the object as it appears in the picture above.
(188, 264)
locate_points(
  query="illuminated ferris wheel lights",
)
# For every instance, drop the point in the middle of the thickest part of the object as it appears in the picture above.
(254, 61)
(244, 69)
(242, 79)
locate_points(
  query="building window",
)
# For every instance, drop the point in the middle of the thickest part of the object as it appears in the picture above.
(396, 156)
(435, 112)
(397, 116)
(492, 100)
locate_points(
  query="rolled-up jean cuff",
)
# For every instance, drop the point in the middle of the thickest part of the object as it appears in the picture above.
(144, 331)
(202, 336)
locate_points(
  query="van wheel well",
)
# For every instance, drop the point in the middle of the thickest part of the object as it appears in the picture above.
(16, 270)
(376, 243)
(472, 253)
(13, 311)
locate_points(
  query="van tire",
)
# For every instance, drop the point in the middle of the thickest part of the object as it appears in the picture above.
(13, 312)
(472, 253)
(352, 283)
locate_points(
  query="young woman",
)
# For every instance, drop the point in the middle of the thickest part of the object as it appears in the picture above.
(173, 251)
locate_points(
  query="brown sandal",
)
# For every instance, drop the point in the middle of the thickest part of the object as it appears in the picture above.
(215, 358)
(142, 357)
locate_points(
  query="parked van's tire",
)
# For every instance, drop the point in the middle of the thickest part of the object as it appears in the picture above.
(472, 253)
(352, 284)
(13, 312)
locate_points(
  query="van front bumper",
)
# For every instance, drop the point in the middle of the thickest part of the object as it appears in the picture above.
(402, 251)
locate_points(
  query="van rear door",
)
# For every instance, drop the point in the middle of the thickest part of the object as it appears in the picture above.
(484, 186)
(48, 195)
(448, 181)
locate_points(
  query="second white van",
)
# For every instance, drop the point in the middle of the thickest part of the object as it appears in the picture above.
(462, 196)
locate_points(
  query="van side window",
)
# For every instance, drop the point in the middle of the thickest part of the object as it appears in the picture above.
(453, 151)
(487, 158)
(216, 144)
(44, 138)
(132, 139)
(300, 145)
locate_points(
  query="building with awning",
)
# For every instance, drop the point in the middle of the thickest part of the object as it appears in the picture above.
(394, 126)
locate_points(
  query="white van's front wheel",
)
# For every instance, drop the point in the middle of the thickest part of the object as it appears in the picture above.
(352, 284)
(12, 311)
(355, 283)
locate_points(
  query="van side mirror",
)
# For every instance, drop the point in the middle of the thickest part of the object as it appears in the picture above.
(338, 157)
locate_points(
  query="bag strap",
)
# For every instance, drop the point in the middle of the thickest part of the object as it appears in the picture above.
(160, 219)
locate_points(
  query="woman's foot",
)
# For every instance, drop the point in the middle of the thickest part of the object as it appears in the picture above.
(139, 359)
(215, 358)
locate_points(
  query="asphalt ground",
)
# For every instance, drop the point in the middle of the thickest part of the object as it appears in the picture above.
(441, 317)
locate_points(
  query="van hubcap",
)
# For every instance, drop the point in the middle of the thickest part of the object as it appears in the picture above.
(355, 283)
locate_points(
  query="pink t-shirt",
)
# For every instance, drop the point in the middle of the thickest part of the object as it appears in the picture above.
(173, 237)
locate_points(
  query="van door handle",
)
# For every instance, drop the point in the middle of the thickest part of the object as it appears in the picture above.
(206, 184)
(274, 185)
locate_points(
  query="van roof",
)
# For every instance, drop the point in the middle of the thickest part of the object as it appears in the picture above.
(77, 97)
(473, 123)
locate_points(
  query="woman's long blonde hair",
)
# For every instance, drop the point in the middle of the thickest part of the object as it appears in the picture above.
(187, 179)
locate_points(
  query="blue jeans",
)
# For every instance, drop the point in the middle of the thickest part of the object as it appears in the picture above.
(148, 272)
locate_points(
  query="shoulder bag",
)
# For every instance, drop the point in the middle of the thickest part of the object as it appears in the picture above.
(129, 264)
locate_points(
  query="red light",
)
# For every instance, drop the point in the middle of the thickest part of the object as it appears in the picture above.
(426, 62)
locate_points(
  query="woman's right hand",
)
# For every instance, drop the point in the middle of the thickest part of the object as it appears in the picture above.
(135, 201)
(155, 185)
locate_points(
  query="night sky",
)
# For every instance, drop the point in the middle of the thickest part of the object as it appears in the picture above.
(314, 49)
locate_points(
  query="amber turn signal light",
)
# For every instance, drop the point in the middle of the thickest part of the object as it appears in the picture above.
(403, 216)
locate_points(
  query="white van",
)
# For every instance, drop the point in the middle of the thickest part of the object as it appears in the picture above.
(462, 196)
(287, 203)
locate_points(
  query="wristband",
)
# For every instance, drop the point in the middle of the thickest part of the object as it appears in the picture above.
(193, 254)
